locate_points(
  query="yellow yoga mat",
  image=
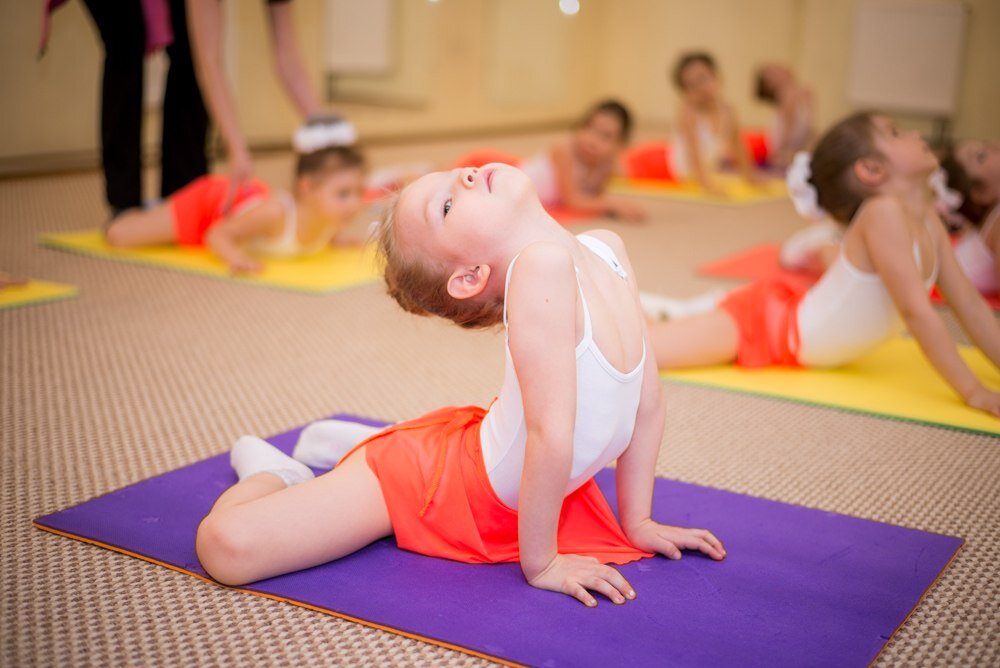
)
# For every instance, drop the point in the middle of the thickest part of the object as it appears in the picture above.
(333, 268)
(738, 192)
(894, 381)
(35, 292)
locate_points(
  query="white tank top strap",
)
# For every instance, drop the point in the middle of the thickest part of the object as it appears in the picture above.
(289, 237)
(506, 287)
(588, 328)
(603, 251)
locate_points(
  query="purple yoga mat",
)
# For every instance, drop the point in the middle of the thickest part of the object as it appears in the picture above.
(799, 586)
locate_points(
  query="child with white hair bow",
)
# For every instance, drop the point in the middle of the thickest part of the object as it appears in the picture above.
(873, 180)
(242, 225)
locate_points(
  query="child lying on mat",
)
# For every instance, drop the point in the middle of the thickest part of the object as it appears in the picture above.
(793, 120)
(575, 171)
(872, 178)
(513, 483)
(709, 134)
(328, 190)
(973, 169)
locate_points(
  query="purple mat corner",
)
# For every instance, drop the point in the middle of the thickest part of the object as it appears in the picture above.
(799, 587)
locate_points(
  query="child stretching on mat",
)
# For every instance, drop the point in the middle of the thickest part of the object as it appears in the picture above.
(709, 134)
(575, 171)
(973, 169)
(329, 185)
(873, 179)
(513, 483)
(793, 121)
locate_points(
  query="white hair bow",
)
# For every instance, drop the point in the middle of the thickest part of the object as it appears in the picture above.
(802, 192)
(317, 135)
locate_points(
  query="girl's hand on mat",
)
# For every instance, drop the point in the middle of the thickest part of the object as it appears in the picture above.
(574, 575)
(243, 264)
(628, 211)
(985, 400)
(669, 541)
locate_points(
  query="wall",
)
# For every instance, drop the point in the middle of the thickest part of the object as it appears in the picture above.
(475, 65)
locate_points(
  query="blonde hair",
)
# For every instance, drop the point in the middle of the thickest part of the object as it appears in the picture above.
(420, 286)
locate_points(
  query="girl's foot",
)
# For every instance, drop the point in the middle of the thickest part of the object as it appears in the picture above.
(322, 444)
(659, 307)
(252, 455)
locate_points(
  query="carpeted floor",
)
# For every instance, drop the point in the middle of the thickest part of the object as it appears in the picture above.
(148, 370)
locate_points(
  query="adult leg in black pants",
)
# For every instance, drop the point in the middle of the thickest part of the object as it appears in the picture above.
(185, 122)
(123, 32)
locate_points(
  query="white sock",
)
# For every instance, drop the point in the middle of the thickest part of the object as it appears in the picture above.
(252, 455)
(323, 443)
(799, 250)
(666, 308)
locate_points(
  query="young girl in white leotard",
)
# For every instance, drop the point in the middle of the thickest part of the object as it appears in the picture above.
(872, 178)
(512, 483)
(973, 169)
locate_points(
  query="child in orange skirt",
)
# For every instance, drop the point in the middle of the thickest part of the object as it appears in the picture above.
(873, 179)
(512, 483)
(238, 227)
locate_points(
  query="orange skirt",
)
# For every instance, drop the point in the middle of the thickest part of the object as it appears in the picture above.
(765, 313)
(441, 502)
(198, 205)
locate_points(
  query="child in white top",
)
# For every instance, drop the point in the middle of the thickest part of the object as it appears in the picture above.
(708, 134)
(973, 169)
(475, 246)
(240, 227)
(792, 130)
(871, 177)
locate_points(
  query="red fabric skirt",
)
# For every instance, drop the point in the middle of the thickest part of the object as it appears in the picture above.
(198, 205)
(765, 313)
(441, 502)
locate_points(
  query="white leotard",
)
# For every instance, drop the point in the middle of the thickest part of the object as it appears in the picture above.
(713, 150)
(976, 258)
(606, 404)
(847, 313)
(288, 244)
(542, 172)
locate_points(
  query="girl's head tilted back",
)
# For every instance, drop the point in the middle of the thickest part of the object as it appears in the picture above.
(771, 78)
(858, 156)
(440, 241)
(973, 169)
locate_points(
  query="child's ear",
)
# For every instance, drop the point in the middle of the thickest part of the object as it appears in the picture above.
(871, 172)
(304, 185)
(468, 282)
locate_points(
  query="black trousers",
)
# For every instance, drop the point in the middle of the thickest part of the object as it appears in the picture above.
(185, 122)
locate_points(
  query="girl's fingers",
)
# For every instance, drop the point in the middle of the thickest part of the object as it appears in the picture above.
(618, 581)
(668, 549)
(600, 585)
(577, 591)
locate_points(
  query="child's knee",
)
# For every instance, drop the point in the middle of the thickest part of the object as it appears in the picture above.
(225, 547)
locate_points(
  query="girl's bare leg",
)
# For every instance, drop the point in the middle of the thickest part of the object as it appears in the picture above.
(142, 227)
(701, 340)
(260, 528)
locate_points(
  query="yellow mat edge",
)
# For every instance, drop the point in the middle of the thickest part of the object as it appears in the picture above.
(52, 240)
(66, 291)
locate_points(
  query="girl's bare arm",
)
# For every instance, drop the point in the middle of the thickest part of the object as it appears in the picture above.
(541, 306)
(889, 243)
(225, 238)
